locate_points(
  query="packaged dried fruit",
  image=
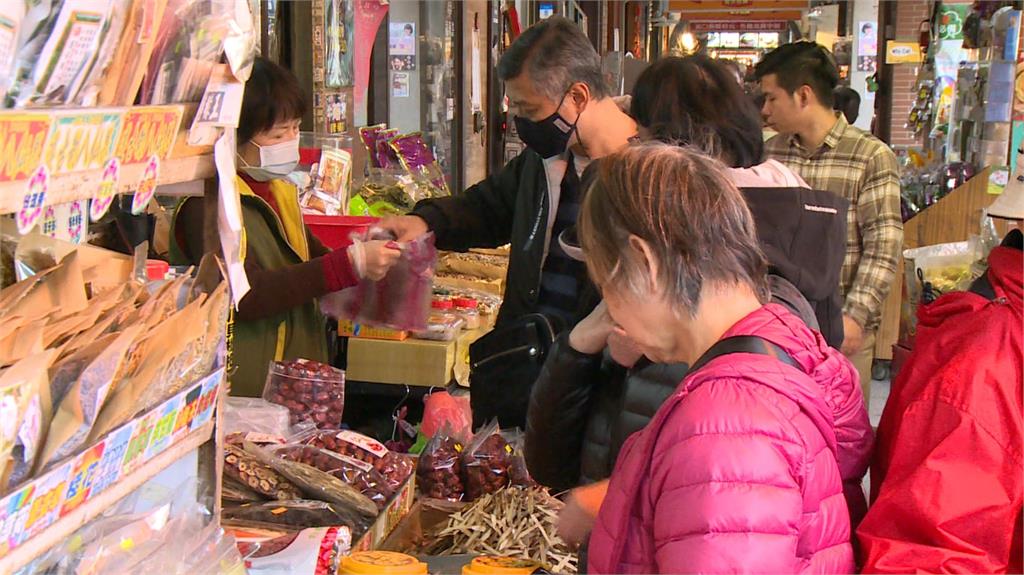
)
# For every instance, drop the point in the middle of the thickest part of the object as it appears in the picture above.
(358, 474)
(245, 469)
(486, 462)
(395, 468)
(312, 391)
(439, 473)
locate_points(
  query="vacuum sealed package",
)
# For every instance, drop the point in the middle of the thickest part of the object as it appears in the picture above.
(415, 156)
(358, 474)
(329, 194)
(439, 472)
(315, 483)
(299, 513)
(312, 391)
(396, 468)
(247, 470)
(401, 300)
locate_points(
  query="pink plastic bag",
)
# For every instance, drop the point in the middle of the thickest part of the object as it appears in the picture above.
(399, 301)
(441, 408)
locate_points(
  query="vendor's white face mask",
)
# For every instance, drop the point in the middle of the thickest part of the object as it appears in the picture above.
(276, 161)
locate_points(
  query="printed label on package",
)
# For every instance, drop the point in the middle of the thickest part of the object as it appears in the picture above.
(32, 205)
(371, 445)
(50, 222)
(45, 507)
(187, 413)
(22, 143)
(109, 469)
(147, 186)
(107, 189)
(208, 401)
(133, 456)
(164, 427)
(82, 140)
(83, 473)
(14, 511)
(147, 132)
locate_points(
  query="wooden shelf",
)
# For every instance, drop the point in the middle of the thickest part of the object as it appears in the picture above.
(70, 523)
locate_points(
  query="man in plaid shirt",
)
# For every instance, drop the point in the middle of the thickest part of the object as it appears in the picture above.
(798, 81)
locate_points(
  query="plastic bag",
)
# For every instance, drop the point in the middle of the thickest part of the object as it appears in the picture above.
(442, 408)
(316, 484)
(439, 472)
(416, 157)
(299, 513)
(258, 476)
(233, 491)
(315, 551)
(395, 468)
(358, 474)
(519, 474)
(441, 327)
(250, 414)
(399, 301)
(486, 462)
(312, 391)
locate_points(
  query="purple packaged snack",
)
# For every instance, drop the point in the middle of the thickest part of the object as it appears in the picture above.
(417, 158)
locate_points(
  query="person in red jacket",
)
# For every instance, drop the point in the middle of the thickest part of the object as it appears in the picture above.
(947, 478)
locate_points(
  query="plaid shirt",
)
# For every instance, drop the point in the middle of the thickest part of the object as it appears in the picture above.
(862, 169)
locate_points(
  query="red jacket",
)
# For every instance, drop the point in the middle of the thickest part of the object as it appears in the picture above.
(947, 476)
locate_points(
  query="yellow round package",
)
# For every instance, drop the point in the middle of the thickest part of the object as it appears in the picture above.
(500, 566)
(381, 563)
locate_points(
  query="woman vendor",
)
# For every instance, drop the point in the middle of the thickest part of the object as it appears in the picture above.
(288, 268)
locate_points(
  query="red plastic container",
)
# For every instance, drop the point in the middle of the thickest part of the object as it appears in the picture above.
(156, 269)
(335, 231)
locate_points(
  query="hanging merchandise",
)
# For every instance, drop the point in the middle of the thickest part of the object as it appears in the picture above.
(10, 28)
(338, 31)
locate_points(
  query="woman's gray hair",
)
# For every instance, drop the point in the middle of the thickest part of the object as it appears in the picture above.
(683, 205)
(556, 54)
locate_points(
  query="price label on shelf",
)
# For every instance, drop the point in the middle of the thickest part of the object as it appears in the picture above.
(107, 190)
(23, 141)
(147, 186)
(32, 204)
(146, 132)
(50, 222)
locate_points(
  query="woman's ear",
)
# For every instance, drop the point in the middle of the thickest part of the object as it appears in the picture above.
(650, 261)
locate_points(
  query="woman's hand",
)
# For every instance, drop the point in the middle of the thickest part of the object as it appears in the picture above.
(590, 335)
(373, 259)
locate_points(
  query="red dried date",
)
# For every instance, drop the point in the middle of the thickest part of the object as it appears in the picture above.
(311, 391)
(486, 465)
(439, 471)
(394, 467)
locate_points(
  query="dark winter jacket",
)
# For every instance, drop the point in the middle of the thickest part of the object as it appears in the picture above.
(583, 407)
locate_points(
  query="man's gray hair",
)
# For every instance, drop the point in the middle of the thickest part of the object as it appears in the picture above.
(557, 55)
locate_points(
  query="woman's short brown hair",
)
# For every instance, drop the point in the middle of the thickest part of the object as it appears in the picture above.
(684, 206)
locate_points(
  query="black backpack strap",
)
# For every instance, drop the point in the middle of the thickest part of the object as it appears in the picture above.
(745, 344)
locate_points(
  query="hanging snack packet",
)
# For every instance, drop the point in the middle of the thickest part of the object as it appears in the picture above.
(417, 159)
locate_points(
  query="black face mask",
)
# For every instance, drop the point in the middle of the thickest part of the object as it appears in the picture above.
(548, 137)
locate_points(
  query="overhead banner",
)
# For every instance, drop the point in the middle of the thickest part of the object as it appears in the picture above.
(733, 26)
(732, 10)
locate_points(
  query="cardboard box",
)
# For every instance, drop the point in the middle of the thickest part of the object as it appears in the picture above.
(389, 518)
(413, 362)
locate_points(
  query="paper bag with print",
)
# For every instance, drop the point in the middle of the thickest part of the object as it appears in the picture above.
(19, 397)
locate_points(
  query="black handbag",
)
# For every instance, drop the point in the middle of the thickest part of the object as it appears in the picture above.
(504, 364)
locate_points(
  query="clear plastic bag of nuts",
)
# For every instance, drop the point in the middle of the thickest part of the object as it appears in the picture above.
(439, 472)
(358, 474)
(394, 467)
(487, 462)
(312, 391)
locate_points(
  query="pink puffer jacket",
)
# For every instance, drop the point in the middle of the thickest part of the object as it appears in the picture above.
(742, 468)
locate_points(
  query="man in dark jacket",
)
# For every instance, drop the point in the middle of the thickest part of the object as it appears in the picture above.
(565, 116)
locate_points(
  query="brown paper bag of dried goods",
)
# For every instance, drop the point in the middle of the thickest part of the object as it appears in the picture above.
(20, 386)
(83, 400)
(156, 353)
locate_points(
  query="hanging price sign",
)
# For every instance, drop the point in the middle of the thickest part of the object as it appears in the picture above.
(147, 187)
(76, 223)
(107, 190)
(32, 205)
(50, 222)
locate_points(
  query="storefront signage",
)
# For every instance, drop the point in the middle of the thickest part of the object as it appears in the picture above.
(22, 143)
(81, 140)
(902, 52)
(37, 505)
(728, 26)
(148, 132)
(951, 21)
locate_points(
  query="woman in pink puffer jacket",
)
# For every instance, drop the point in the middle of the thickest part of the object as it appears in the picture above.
(742, 468)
